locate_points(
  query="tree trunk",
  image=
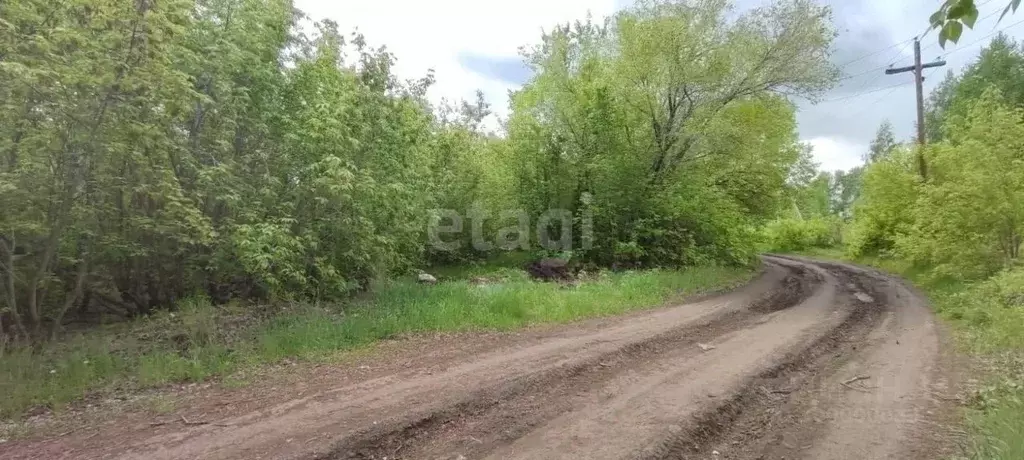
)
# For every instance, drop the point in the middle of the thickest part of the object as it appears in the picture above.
(73, 296)
(12, 298)
(35, 315)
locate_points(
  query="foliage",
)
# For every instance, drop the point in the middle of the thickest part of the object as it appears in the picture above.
(883, 144)
(880, 212)
(150, 151)
(993, 307)
(968, 219)
(953, 15)
(1000, 64)
(794, 235)
(153, 151)
(668, 125)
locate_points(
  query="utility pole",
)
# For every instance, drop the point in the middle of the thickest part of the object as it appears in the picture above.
(917, 68)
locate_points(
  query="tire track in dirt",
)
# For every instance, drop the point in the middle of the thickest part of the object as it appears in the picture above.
(873, 388)
(636, 414)
(762, 372)
(496, 416)
(755, 414)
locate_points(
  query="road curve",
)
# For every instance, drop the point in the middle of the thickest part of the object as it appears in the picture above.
(812, 360)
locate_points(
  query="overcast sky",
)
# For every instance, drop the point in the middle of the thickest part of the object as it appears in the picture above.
(473, 44)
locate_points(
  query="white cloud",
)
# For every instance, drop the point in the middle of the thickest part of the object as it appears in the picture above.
(431, 34)
(835, 153)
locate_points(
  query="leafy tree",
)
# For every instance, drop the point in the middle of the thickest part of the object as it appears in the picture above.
(968, 221)
(938, 103)
(1000, 64)
(89, 99)
(845, 188)
(880, 211)
(883, 144)
(153, 151)
(670, 116)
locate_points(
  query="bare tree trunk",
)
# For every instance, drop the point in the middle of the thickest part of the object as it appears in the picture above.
(3, 336)
(34, 310)
(12, 298)
(72, 297)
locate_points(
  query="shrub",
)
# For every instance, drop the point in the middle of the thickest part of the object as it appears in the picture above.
(788, 235)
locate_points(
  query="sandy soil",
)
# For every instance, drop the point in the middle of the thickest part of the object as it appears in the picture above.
(812, 360)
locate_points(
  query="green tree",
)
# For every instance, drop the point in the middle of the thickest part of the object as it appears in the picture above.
(845, 188)
(671, 116)
(969, 219)
(1000, 64)
(880, 211)
(883, 144)
(90, 100)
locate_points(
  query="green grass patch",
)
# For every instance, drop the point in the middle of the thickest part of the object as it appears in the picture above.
(201, 342)
(987, 317)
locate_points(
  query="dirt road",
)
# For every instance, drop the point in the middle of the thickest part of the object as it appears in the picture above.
(812, 360)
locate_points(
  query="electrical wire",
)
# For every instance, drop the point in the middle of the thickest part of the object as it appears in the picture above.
(863, 93)
(873, 53)
(979, 40)
(889, 93)
(909, 40)
(892, 88)
(890, 62)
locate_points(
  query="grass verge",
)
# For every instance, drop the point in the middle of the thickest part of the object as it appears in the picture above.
(987, 317)
(199, 342)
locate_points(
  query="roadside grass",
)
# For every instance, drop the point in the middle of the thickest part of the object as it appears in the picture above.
(987, 317)
(199, 342)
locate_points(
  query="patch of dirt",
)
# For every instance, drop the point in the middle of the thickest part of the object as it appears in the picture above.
(810, 360)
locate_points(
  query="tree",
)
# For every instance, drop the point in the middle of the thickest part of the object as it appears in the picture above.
(673, 118)
(150, 151)
(1000, 65)
(845, 188)
(883, 144)
(90, 97)
(880, 211)
(938, 103)
(969, 220)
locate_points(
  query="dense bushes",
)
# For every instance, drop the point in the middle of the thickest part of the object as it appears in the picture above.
(993, 307)
(881, 212)
(152, 151)
(960, 216)
(794, 235)
(965, 220)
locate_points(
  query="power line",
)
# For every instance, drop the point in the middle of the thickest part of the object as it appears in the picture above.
(894, 87)
(961, 48)
(911, 39)
(892, 60)
(891, 88)
(851, 96)
(873, 53)
(997, 11)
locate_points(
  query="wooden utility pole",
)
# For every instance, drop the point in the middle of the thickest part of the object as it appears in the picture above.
(917, 68)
